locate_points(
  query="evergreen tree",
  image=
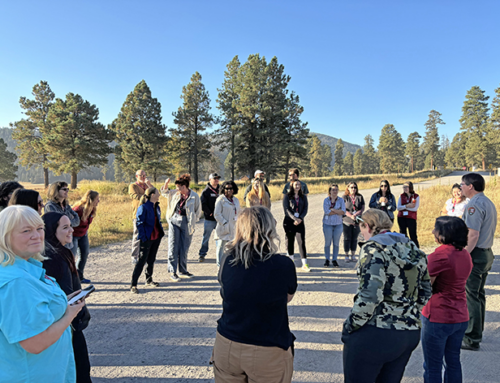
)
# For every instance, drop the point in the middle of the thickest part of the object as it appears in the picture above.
(7, 168)
(455, 155)
(327, 159)
(474, 123)
(31, 133)
(140, 135)
(338, 166)
(348, 164)
(304, 163)
(371, 161)
(358, 162)
(193, 118)
(391, 150)
(77, 141)
(412, 149)
(316, 156)
(494, 129)
(431, 138)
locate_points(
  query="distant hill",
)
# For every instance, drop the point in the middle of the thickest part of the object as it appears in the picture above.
(332, 141)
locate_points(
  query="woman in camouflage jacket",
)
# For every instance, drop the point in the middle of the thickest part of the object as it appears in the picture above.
(383, 327)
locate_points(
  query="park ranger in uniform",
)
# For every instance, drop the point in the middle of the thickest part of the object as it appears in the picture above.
(480, 216)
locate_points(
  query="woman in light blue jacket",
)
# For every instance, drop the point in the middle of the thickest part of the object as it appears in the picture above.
(334, 210)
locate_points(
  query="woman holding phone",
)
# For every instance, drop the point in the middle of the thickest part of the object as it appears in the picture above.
(60, 264)
(35, 318)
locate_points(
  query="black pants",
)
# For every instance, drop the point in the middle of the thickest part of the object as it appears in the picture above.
(411, 225)
(351, 233)
(373, 354)
(81, 358)
(147, 254)
(295, 232)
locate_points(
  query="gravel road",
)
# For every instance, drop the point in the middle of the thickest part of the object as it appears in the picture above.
(166, 334)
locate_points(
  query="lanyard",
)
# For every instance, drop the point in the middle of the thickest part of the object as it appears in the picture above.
(183, 201)
(215, 191)
(353, 200)
(454, 203)
(297, 199)
(232, 203)
(333, 203)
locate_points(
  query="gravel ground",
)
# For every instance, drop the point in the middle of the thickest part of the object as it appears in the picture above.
(166, 334)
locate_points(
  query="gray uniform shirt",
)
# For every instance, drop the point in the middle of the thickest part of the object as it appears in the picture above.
(481, 215)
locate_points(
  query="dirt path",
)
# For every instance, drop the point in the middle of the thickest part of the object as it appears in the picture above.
(166, 334)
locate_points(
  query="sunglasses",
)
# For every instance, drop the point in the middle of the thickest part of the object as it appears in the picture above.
(64, 189)
(383, 186)
(359, 219)
(353, 187)
(228, 188)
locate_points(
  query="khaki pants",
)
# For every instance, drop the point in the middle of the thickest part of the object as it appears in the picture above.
(244, 363)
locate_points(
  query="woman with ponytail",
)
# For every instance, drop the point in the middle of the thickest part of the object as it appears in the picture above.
(150, 233)
(383, 328)
(86, 209)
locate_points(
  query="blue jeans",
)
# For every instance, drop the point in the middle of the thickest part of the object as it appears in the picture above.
(179, 241)
(442, 340)
(208, 227)
(219, 251)
(332, 233)
(81, 243)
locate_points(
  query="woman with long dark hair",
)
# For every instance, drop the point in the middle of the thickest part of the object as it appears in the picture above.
(254, 342)
(150, 233)
(445, 317)
(295, 206)
(408, 204)
(455, 206)
(7, 188)
(27, 197)
(384, 200)
(354, 207)
(86, 209)
(60, 264)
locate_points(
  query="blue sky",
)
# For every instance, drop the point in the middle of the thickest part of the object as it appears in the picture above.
(356, 65)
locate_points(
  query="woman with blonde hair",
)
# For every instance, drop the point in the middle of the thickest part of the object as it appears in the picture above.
(86, 209)
(383, 327)
(184, 209)
(150, 233)
(35, 318)
(254, 341)
(258, 195)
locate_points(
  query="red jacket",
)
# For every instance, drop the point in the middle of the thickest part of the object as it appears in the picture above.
(81, 229)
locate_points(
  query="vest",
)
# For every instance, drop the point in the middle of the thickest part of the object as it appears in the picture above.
(404, 201)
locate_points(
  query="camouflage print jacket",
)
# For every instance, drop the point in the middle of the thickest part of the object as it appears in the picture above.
(394, 284)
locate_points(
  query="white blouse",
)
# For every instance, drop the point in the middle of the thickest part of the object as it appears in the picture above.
(459, 209)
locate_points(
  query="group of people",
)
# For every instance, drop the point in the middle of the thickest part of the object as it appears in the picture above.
(41, 336)
(403, 296)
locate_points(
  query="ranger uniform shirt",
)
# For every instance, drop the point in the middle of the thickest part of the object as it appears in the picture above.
(481, 215)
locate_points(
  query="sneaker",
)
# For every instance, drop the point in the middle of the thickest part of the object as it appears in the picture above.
(469, 347)
(187, 275)
(174, 277)
(335, 264)
(327, 263)
(353, 259)
(134, 260)
(201, 259)
(347, 259)
(306, 268)
(152, 284)
(134, 290)
(85, 280)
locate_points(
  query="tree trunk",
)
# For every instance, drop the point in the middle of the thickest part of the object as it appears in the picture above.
(74, 177)
(45, 178)
(432, 163)
(484, 164)
(232, 155)
(412, 164)
(195, 159)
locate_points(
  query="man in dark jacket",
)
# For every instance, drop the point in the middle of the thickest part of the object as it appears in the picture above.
(208, 198)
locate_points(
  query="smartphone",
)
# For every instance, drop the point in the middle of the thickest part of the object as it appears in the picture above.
(83, 294)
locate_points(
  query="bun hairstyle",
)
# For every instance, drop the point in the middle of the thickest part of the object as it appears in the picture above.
(376, 220)
(147, 195)
(185, 179)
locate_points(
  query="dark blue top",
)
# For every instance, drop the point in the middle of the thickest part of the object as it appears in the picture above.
(146, 220)
(254, 301)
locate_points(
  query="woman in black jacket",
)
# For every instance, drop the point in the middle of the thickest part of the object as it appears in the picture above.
(354, 207)
(61, 266)
(295, 206)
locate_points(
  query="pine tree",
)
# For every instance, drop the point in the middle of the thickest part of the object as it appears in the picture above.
(455, 155)
(431, 138)
(357, 162)
(371, 160)
(193, 118)
(391, 149)
(412, 149)
(338, 166)
(140, 135)
(316, 156)
(31, 133)
(348, 164)
(474, 123)
(7, 168)
(77, 141)
(493, 136)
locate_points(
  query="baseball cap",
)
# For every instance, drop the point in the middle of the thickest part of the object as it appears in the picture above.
(214, 175)
(257, 172)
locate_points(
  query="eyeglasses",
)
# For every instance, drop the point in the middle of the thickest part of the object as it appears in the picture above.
(406, 187)
(353, 187)
(228, 188)
(64, 189)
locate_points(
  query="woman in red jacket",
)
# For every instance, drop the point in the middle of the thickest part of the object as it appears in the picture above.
(408, 204)
(86, 209)
(445, 317)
